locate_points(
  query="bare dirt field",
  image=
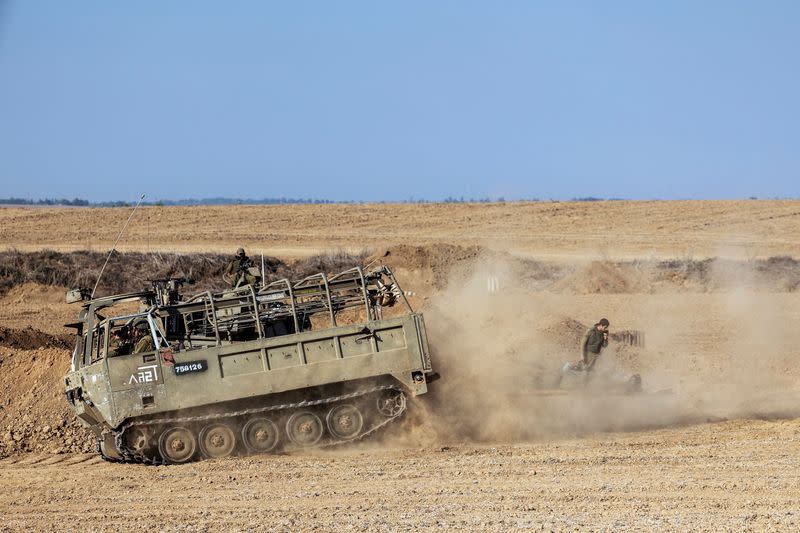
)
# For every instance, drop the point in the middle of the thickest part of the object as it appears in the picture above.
(614, 229)
(736, 476)
(715, 445)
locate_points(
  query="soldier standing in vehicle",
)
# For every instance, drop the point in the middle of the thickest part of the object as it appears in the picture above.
(240, 270)
(595, 339)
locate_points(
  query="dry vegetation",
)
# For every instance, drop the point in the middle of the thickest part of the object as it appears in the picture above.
(132, 271)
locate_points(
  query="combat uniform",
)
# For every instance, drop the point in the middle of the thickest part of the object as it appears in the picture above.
(145, 344)
(239, 269)
(118, 346)
(593, 342)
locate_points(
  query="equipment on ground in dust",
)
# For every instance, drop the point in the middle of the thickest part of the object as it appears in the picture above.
(281, 366)
(572, 378)
(631, 337)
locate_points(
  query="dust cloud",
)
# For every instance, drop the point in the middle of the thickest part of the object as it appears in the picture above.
(721, 353)
(757, 344)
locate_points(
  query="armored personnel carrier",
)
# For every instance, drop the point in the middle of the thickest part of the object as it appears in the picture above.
(163, 378)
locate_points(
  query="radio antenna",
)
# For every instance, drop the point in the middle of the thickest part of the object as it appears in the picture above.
(114, 246)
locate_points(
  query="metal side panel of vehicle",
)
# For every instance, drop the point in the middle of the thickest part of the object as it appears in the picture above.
(143, 384)
(87, 390)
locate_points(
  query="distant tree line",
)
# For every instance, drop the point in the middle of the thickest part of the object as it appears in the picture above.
(247, 201)
(271, 201)
(234, 201)
(46, 201)
(188, 201)
(484, 200)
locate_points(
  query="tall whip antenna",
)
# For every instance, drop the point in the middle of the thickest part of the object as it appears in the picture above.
(114, 246)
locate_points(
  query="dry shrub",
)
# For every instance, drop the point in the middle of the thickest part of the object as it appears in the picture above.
(131, 271)
(329, 262)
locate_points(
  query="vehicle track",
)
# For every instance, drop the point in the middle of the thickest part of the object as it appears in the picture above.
(387, 409)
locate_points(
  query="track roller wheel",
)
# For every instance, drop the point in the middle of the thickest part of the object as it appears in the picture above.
(304, 428)
(177, 444)
(217, 440)
(260, 435)
(345, 421)
(139, 439)
(391, 403)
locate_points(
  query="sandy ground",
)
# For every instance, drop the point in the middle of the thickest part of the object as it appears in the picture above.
(701, 478)
(718, 451)
(618, 229)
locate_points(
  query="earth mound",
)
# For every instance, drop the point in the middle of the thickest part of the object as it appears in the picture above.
(564, 332)
(29, 339)
(601, 277)
(430, 264)
(34, 416)
(35, 292)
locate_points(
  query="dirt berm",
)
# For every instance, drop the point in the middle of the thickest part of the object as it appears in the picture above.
(34, 415)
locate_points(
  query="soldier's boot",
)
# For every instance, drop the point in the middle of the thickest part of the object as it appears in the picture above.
(567, 368)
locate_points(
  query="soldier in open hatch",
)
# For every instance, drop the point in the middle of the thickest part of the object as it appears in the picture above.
(241, 270)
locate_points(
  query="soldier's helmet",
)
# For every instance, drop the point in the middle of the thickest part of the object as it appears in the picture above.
(141, 326)
(240, 252)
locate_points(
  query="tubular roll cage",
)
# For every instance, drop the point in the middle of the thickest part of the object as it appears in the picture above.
(208, 315)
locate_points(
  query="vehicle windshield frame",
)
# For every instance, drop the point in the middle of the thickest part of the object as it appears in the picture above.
(159, 338)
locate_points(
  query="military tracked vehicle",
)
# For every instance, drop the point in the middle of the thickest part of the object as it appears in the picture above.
(163, 378)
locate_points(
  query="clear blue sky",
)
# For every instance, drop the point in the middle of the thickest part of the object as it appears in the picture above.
(393, 100)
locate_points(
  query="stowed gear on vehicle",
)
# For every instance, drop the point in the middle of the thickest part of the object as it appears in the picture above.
(255, 369)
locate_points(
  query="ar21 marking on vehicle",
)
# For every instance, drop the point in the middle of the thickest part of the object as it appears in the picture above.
(144, 374)
(190, 366)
